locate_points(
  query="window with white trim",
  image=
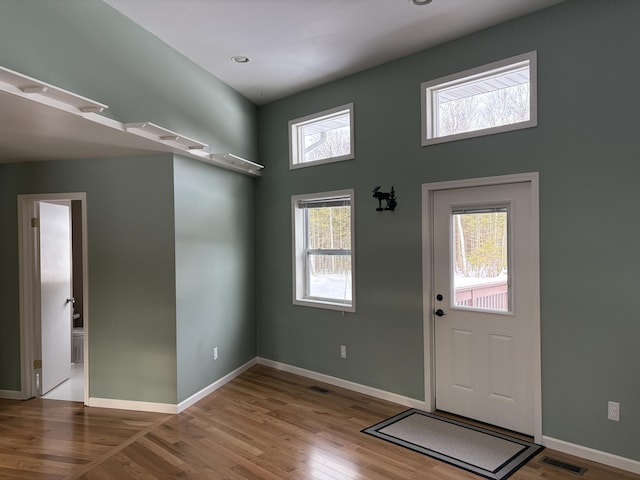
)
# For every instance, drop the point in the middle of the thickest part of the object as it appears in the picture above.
(494, 98)
(321, 137)
(323, 250)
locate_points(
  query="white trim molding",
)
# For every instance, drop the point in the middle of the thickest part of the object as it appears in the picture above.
(132, 405)
(592, 454)
(427, 281)
(339, 382)
(196, 397)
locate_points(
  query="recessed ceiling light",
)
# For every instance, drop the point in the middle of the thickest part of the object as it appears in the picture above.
(421, 2)
(240, 59)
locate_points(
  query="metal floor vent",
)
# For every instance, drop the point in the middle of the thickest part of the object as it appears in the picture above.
(318, 389)
(564, 465)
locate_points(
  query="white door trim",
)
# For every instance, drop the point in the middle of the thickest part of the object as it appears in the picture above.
(29, 289)
(428, 190)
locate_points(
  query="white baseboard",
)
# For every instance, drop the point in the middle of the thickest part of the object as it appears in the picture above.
(132, 405)
(168, 407)
(214, 386)
(11, 394)
(339, 382)
(591, 454)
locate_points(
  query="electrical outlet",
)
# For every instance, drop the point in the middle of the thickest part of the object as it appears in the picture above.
(215, 353)
(343, 351)
(613, 411)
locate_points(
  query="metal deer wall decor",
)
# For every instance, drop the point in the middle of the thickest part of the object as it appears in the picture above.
(388, 197)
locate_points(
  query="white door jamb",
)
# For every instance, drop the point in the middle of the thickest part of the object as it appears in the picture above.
(428, 190)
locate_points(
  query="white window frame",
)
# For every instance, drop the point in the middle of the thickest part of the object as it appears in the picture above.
(300, 277)
(296, 146)
(429, 109)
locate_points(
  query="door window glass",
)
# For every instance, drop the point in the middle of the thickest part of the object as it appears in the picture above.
(480, 263)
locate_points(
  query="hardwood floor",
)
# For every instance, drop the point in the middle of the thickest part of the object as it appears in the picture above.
(265, 424)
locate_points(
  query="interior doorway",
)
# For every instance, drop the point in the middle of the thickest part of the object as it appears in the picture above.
(481, 315)
(53, 296)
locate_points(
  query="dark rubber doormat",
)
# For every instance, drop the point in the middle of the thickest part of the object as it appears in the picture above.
(489, 454)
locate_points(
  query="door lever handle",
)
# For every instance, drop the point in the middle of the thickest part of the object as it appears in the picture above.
(439, 313)
(70, 300)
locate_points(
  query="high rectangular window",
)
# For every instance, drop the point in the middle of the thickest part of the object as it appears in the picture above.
(494, 98)
(323, 250)
(321, 137)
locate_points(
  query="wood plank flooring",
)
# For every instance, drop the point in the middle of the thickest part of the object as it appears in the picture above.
(265, 424)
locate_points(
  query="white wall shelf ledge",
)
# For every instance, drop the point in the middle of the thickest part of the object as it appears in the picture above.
(29, 108)
(31, 87)
(151, 130)
(230, 159)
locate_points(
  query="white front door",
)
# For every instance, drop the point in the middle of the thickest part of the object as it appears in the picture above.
(483, 304)
(55, 292)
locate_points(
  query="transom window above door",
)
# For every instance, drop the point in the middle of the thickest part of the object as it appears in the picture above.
(493, 98)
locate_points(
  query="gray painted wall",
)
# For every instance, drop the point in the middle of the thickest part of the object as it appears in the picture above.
(130, 230)
(586, 149)
(87, 47)
(215, 274)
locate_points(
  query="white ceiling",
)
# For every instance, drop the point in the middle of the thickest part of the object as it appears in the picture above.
(293, 45)
(297, 44)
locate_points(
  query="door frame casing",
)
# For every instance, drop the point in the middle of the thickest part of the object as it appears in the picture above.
(29, 288)
(428, 191)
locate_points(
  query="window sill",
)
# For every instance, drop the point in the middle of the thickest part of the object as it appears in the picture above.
(343, 307)
(480, 133)
(323, 161)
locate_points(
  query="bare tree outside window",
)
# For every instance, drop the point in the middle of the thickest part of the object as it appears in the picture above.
(494, 98)
(506, 106)
(458, 116)
(480, 241)
(491, 109)
(322, 137)
(330, 229)
(480, 259)
(327, 144)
